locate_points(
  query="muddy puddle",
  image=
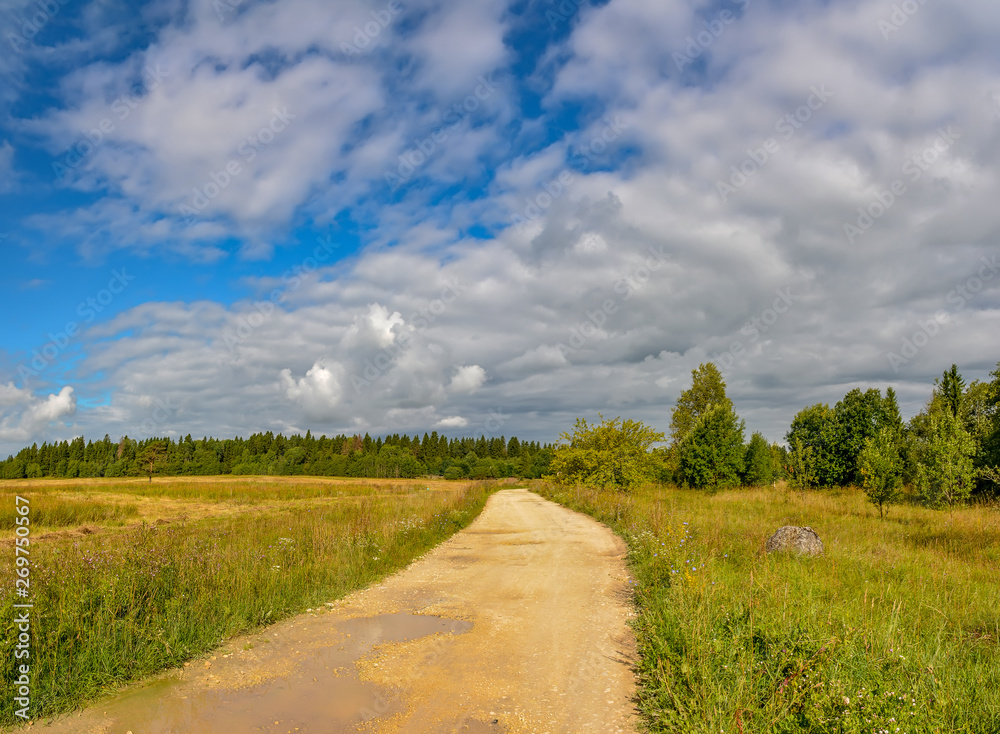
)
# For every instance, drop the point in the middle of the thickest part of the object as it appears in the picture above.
(321, 693)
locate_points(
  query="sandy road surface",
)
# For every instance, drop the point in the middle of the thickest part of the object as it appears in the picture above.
(548, 649)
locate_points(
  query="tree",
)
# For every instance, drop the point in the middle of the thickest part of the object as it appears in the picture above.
(759, 469)
(978, 414)
(951, 387)
(857, 417)
(707, 389)
(990, 449)
(978, 410)
(801, 465)
(614, 453)
(809, 437)
(711, 454)
(945, 474)
(835, 437)
(513, 447)
(881, 468)
(891, 417)
(779, 461)
(151, 457)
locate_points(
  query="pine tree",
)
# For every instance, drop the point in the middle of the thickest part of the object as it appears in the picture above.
(951, 387)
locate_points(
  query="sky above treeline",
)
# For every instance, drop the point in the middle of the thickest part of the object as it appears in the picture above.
(229, 216)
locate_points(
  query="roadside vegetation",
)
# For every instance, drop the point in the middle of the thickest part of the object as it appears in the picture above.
(894, 629)
(946, 455)
(115, 604)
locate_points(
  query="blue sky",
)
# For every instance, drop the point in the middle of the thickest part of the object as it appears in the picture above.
(492, 217)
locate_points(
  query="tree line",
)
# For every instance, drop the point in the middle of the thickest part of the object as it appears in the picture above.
(393, 456)
(948, 451)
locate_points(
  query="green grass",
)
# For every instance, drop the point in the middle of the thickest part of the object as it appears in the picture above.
(895, 628)
(119, 605)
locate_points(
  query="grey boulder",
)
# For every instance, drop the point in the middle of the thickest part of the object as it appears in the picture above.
(803, 541)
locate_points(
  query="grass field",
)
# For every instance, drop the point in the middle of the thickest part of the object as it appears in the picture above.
(895, 629)
(129, 577)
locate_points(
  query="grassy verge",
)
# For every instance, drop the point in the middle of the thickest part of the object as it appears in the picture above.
(119, 605)
(895, 629)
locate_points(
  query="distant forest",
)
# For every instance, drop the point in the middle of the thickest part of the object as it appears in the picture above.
(394, 456)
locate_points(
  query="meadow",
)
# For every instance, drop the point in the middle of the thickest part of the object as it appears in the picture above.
(894, 629)
(129, 577)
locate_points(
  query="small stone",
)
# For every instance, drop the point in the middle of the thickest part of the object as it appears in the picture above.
(803, 541)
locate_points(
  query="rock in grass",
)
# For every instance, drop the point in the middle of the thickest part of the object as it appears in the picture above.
(803, 541)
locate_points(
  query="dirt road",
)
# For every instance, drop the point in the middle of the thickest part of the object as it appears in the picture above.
(516, 624)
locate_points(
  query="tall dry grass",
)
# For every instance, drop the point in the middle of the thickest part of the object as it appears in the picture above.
(56, 512)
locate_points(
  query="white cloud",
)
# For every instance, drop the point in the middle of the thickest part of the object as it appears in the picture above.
(23, 416)
(459, 42)
(467, 379)
(455, 421)
(244, 121)
(376, 328)
(318, 393)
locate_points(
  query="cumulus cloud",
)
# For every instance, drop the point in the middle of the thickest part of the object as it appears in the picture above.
(376, 328)
(455, 421)
(318, 393)
(467, 379)
(23, 416)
